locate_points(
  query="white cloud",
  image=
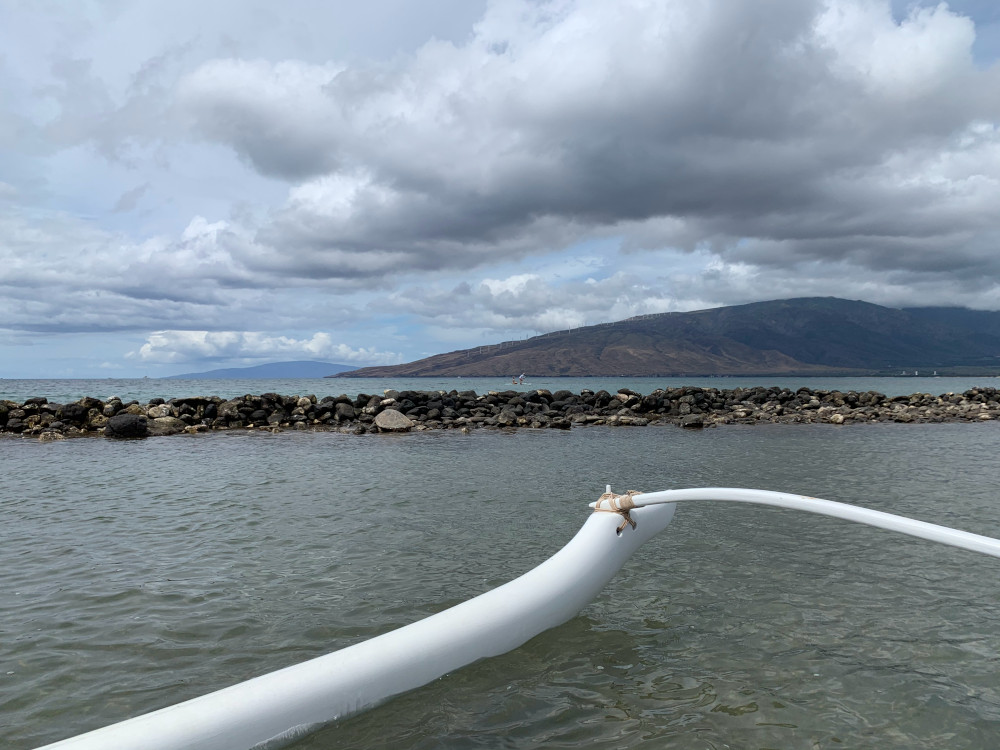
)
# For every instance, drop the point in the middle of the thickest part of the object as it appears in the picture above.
(928, 50)
(510, 285)
(527, 304)
(191, 346)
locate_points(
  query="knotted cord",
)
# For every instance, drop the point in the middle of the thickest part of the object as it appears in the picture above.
(620, 504)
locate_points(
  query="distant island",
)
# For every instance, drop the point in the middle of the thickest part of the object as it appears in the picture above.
(821, 336)
(298, 369)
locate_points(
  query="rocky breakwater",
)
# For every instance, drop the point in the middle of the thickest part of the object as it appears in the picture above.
(404, 411)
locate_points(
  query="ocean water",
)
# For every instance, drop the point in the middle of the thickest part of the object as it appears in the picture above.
(144, 389)
(138, 574)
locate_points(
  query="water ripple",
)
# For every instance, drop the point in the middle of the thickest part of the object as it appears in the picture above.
(141, 574)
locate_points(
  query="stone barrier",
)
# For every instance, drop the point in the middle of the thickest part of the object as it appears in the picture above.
(408, 411)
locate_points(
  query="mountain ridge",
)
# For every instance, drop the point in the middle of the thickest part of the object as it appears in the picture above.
(799, 336)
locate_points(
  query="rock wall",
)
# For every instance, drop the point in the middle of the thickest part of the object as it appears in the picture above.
(403, 411)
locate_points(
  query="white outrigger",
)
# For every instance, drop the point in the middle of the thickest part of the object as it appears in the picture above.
(282, 706)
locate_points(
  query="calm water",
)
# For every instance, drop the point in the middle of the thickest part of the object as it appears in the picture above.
(140, 574)
(62, 391)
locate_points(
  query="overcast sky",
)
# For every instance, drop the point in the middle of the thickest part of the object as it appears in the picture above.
(190, 185)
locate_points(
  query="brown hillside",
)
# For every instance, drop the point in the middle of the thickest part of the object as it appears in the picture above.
(808, 336)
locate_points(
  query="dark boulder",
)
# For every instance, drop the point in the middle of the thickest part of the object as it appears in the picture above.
(344, 412)
(74, 413)
(123, 426)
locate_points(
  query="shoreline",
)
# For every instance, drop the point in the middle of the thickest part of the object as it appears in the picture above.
(688, 407)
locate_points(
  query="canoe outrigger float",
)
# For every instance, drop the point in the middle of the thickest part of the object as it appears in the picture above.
(280, 707)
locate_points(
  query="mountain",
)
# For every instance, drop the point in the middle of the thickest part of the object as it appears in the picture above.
(271, 370)
(805, 336)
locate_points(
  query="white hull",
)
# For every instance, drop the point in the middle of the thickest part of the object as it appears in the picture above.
(281, 706)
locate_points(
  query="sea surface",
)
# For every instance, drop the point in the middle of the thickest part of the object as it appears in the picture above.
(144, 389)
(139, 574)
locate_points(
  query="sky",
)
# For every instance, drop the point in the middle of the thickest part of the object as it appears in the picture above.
(187, 186)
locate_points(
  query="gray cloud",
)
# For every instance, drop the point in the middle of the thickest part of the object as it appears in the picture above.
(130, 198)
(309, 163)
(819, 132)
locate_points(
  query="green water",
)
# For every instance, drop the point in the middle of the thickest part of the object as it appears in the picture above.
(140, 574)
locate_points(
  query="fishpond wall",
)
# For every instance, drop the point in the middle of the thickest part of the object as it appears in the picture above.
(403, 411)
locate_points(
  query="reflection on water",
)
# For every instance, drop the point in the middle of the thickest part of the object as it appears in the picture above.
(141, 574)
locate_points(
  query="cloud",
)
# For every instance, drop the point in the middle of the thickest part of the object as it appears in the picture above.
(528, 303)
(248, 346)
(130, 198)
(65, 275)
(710, 123)
(273, 173)
(276, 116)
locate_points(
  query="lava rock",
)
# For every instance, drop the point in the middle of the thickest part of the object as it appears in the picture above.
(124, 426)
(165, 426)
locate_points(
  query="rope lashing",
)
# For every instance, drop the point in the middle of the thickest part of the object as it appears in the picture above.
(620, 504)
